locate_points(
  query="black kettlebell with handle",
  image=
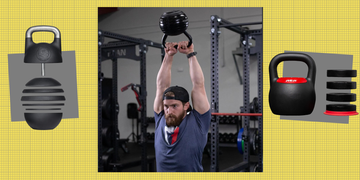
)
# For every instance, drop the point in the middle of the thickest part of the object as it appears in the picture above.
(43, 52)
(292, 95)
(173, 23)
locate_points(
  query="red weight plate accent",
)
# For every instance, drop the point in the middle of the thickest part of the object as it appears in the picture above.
(341, 113)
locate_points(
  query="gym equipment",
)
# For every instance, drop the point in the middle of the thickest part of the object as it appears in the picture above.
(226, 138)
(289, 95)
(245, 34)
(341, 110)
(221, 119)
(173, 23)
(240, 141)
(43, 53)
(233, 138)
(132, 111)
(341, 97)
(42, 90)
(107, 158)
(133, 87)
(340, 85)
(107, 107)
(254, 106)
(236, 114)
(341, 73)
(254, 141)
(252, 138)
(133, 114)
(112, 52)
(227, 120)
(107, 133)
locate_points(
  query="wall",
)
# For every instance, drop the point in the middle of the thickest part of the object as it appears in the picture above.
(144, 23)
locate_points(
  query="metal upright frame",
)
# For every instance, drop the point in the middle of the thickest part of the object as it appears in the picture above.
(217, 23)
(113, 51)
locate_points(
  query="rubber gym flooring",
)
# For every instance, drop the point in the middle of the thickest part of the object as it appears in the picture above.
(228, 156)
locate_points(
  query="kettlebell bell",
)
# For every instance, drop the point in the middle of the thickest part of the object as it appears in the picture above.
(40, 118)
(173, 23)
(292, 95)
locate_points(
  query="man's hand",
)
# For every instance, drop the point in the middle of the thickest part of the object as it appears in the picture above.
(182, 47)
(170, 49)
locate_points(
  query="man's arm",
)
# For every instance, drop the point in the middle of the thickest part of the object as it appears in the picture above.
(163, 79)
(198, 93)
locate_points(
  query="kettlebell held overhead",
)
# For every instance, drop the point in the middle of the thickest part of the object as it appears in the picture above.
(289, 95)
(173, 23)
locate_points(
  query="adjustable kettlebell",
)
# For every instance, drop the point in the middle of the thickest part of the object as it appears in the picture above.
(42, 118)
(292, 95)
(173, 23)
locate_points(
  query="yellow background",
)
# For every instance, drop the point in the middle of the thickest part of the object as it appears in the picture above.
(292, 149)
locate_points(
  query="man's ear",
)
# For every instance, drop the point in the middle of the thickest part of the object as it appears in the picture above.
(186, 106)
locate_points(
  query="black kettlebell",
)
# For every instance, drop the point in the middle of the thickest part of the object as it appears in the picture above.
(173, 23)
(42, 53)
(292, 95)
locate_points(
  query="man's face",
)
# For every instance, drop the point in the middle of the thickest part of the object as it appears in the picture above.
(174, 112)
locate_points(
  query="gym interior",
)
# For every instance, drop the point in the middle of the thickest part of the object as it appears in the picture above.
(229, 46)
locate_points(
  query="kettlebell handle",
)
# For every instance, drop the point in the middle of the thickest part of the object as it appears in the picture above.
(292, 57)
(29, 42)
(43, 28)
(186, 34)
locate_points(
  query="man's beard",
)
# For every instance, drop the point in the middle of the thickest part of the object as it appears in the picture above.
(172, 120)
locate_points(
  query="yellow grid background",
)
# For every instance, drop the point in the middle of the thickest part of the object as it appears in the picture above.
(292, 149)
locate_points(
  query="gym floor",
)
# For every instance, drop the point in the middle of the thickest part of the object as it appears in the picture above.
(228, 157)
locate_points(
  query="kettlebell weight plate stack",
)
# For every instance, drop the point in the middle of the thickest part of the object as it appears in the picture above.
(341, 109)
(292, 95)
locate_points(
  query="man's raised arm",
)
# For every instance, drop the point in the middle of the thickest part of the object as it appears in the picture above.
(163, 79)
(198, 93)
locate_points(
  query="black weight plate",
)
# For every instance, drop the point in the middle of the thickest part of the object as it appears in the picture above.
(107, 158)
(57, 104)
(341, 97)
(43, 121)
(42, 90)
(106, 135)
(36, 109)
(106, 108)
(341, 107)
(341, 73)
(43, 82)
(341, 85)
(43, 98)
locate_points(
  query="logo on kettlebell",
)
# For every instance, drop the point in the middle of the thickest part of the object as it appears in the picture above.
(291, 80)
(43, 54)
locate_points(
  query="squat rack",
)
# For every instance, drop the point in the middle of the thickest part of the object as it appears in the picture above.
(125, 47)
(215, 24)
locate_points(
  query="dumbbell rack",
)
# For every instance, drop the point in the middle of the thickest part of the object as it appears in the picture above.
(245, 34)
(114, 51)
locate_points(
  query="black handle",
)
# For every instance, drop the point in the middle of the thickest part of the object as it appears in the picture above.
(163, 39)
(292, 57)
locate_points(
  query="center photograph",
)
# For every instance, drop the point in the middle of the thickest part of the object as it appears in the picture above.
(180, 89)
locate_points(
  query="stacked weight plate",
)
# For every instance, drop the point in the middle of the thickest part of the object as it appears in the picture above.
(341, 109)
(43, 112)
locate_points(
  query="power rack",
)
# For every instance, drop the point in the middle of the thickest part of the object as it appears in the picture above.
(114, 51)
(216, 23)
